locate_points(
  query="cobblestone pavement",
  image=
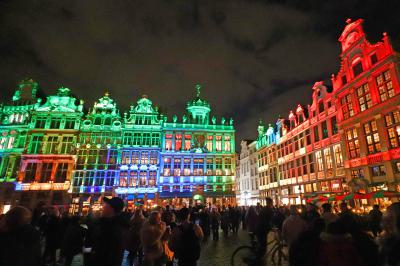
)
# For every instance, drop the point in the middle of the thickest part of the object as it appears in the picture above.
(213, 253)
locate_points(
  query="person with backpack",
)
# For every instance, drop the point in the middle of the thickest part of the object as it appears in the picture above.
(185, 240)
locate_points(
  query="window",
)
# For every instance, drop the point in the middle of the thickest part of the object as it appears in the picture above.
(133, 178)
(344, 80)
(334, 125)
(137, 139)
(52, 144)
(396, 166)
(228, 166)
(320, 161)
(353, 143)
(210, 166)
(178, 142)
(69, 123)
(308, 137)
(372, 136)
(123, 179)
(316, 133)
(385, 86)
(378, 170)
(146, 139)
(357, 173)
(364, 97)
(127, 138)
(227, 143)
(144, 158)
(177, 166)
(55, 123)
(152, 179)
(393, 128)
(186, 166)
(61, 173)
(357, 69)
(167, 166)
(328, 158)
(35, 144)
(168, 142)
(198, 166)
(30, 172)
(155, 139)
(66, 144)
(218, 166)
(188, 142)
(135, 157)
(125, 158)
(153, 157)
(218, 143)
(338, 155)
(324, 129)
(347, 106)
(40, 122)
(142, 178)
(45, 174)
(209, 143)
(374, 59)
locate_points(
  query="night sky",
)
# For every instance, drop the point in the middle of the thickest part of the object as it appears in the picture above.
(255, 59)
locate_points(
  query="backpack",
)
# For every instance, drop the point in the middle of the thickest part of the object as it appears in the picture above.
(189, 244)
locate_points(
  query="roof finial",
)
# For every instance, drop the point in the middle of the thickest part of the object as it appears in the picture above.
(107, 93)
(348, 21)
(198, 88)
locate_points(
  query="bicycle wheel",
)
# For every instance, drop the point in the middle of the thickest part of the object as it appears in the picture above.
(278, 256)
(243, 256)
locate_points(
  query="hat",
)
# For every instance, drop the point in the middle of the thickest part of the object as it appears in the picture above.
(115, 202)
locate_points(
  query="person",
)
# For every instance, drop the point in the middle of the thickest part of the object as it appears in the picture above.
(51, 234)
(374, 219)
(166, 216)
(327, 214)
(215, 220)
(185, 240)
(251, 219)
(390, 239)
(204, 222)
(225, 221)
(19, 240)
(134, 246)
(153, 232)
(108, 238)
(264, 225)
(72, 242)
(293, 226)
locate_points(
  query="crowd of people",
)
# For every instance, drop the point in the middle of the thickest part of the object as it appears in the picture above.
(168, 236)
(155, 237)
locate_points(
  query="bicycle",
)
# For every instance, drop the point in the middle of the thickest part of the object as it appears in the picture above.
(250, 255)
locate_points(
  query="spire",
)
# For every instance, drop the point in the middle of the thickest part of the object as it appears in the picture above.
(198, 90)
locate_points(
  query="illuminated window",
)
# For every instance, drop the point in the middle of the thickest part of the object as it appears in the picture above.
(198, 166)
(155, 139)
(338, 155)
(188, 142)
(227, 166)
(10, 143)
(378, 170)
(133, 178)
(178, 142)
(328, 158)
(218, 166)
(209, 143)
(168, 142)
(40, 122)
(372, 136)
(167, 166)
(353, 144)
(3, 142)
(357, 69)
(125, 158)
(152, 179)
(374, 59)
(135, 157)
(186, 166)
(218, 143)
(393, 128)
(45, 173)
(144, 158)
(123, 178)
(66, 144)
(177, 166)
(61, 173)
(320, 161)
(30, 172)
(146, 139)
(308, 137)
(210, 166)
(347, 106)
(142, 178)
(127, 138)
(325, 186)
(385, 86)
(227, 143)
(69, 123)
(52, 144)
(137, 138)
(154, 157)
(364, 97)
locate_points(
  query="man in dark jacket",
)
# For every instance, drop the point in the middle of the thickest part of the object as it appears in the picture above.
(108, 235)
(264, 225)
